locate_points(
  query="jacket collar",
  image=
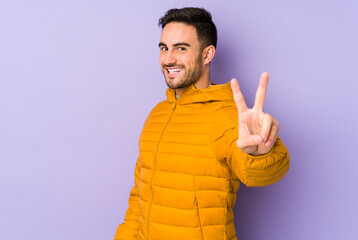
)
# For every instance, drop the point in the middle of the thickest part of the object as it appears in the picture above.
(217, 92)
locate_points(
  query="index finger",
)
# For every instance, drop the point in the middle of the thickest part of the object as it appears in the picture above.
(238, 97)
(261, 92)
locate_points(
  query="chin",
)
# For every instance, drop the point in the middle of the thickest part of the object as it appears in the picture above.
(172, 84)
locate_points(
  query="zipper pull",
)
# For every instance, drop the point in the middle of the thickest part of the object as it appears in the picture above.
(174, 105)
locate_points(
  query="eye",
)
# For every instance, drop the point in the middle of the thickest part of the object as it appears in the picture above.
(163, 48)
(181, 49)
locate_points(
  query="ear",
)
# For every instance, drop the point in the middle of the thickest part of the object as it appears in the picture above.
(208, 54)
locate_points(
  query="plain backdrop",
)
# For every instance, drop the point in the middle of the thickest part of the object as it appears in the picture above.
(78, 78)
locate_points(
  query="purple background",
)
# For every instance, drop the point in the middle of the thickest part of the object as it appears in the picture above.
(78, 78)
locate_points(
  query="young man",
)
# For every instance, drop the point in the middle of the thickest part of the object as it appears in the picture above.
(196, 146)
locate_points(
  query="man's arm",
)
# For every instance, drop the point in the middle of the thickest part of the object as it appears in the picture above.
(259, 171)
(253, 171)
(129, 229)
(247, 139)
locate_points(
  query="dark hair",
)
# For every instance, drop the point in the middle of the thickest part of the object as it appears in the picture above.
(197, 17)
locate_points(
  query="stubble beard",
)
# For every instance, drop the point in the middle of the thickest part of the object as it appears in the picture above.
(191, 76)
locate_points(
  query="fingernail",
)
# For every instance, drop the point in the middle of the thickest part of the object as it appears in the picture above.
(268, 143)
(263, 138)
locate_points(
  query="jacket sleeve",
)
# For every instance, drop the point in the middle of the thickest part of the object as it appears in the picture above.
(253, 171)
(129, 229)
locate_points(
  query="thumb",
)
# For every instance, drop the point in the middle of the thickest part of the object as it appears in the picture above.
(248, 141)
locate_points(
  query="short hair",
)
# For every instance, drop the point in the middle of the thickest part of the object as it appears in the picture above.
(197, 17)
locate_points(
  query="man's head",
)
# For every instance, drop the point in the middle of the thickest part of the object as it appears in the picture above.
(187, 45)
(197, 17)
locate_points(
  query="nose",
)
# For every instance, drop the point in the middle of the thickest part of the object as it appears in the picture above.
(169, 58)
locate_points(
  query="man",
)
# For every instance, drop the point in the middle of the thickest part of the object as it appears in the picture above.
(196, 146)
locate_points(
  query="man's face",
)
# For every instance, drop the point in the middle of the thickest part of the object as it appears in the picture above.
(180, 55)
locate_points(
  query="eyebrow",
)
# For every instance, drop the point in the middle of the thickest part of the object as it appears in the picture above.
(175, 45)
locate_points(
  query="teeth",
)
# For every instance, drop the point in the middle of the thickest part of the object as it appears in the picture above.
(174, 70)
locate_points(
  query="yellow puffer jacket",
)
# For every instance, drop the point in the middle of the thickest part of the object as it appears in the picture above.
(189, 169)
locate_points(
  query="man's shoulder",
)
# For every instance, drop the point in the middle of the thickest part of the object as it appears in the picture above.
(160, 108)
(161, 105)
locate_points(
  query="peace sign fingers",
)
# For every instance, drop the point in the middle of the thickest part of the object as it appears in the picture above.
(257, 130)
(261, 92)
(238, 97)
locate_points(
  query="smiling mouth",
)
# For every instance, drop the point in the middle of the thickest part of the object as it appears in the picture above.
(173, 71)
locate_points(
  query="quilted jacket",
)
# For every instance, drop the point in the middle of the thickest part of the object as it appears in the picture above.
(189, 169)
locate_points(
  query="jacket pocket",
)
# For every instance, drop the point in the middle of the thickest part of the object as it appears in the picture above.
(225, 218)
(197, 212)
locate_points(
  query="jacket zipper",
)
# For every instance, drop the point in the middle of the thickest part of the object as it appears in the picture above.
(155, 165)
(197, 212)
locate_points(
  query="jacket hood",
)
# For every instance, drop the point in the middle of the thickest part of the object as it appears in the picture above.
(216, 92)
